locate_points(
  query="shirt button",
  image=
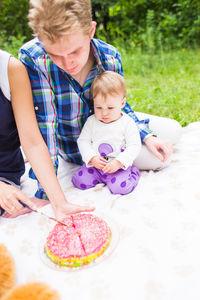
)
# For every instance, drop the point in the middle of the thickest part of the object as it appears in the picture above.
(36, 107)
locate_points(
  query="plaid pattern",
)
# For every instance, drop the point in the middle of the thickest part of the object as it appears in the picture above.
(61, 105)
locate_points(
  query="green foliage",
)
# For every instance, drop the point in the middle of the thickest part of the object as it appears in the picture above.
(160, 80)
(13, 18)
(152, 23)
(148, 24)
(11, 44)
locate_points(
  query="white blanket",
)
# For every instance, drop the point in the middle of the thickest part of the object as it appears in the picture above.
(158, 254)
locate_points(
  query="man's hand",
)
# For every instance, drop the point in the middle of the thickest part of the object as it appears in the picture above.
(98, 162)
(161, 149)
(112, 166)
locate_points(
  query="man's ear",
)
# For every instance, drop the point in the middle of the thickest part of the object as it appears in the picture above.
(93, 29)
(123, 102)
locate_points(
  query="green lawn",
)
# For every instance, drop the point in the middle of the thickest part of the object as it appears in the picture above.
(164, 84)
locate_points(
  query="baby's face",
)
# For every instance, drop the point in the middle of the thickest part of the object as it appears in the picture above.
(109, 109)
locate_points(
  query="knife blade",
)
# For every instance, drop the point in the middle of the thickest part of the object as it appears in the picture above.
(43, 214)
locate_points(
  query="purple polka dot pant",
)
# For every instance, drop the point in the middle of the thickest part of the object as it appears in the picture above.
(121, 182)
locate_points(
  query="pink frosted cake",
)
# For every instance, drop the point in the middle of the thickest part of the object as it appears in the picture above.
(80, 242)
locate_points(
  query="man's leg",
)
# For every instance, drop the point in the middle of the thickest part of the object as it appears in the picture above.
(166, 129)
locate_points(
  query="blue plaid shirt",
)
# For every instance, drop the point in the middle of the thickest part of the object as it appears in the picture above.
(61, 105)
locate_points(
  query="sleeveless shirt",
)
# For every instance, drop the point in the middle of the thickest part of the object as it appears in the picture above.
(11, 160)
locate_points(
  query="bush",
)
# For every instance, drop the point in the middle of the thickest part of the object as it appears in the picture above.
(11, 44)
(149, 23)
(13, 19)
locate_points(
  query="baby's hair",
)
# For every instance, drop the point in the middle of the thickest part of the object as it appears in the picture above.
(55, 18)
(108, 83)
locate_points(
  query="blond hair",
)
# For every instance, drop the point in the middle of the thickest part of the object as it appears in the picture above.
(55, 18)
(108, 83)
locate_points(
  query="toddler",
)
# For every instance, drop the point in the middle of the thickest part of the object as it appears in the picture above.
(110, 140)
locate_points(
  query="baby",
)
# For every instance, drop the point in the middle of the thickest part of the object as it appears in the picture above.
(110, 140)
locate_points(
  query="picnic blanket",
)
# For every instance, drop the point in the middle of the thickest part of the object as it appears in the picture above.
(157, 256)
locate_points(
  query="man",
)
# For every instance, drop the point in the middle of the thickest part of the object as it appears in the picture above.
(62, 62)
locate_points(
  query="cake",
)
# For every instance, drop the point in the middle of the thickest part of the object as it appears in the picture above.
(85, 238)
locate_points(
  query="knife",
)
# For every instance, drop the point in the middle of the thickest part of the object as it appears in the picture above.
(41, 213)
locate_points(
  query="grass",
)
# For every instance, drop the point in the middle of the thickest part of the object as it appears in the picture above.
(165, 84)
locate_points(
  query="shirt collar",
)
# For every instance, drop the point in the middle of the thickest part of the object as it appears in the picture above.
(97, 54)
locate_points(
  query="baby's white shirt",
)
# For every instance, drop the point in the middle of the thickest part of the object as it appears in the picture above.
(119, 134)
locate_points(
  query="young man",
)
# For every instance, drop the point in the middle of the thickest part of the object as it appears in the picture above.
(62, 62)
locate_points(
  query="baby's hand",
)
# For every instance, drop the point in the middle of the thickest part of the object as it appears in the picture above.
(112, 166)
(98, 162)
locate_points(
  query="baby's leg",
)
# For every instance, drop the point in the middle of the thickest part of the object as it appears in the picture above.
(86, 178)
(123, 181)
